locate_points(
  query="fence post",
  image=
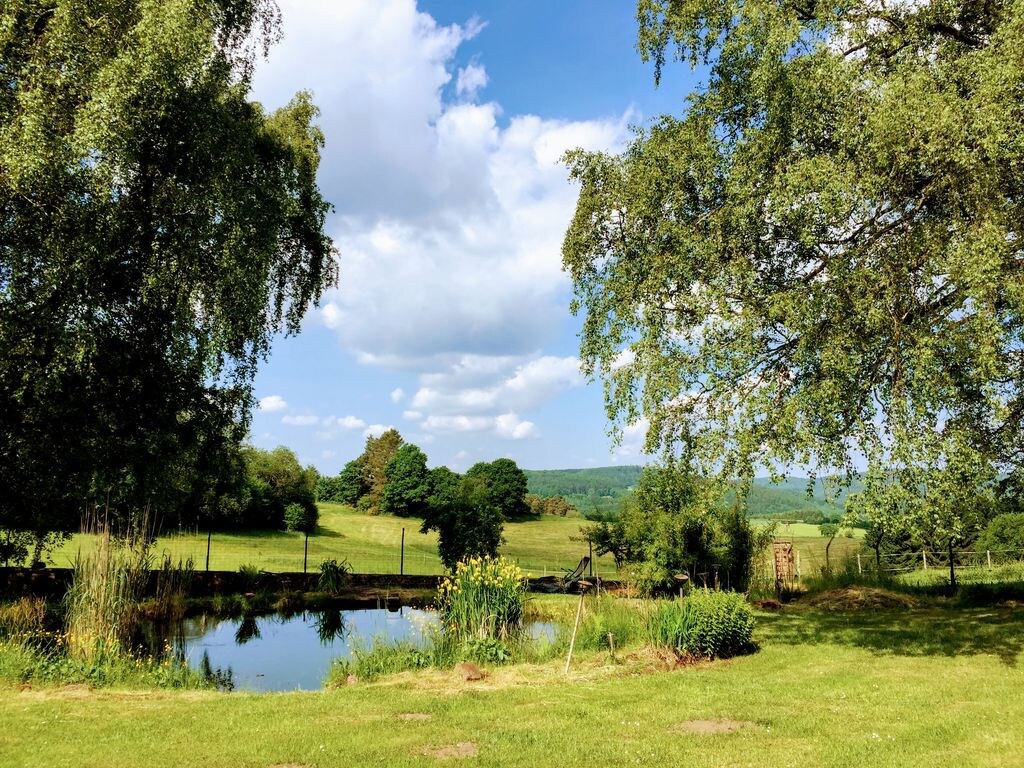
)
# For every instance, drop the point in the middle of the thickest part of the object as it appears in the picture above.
(798, 565)
(924, 559)
(209, 534)
(305, 554)
(401, 557)
(859, 569)
(591, 559)
(988, 556)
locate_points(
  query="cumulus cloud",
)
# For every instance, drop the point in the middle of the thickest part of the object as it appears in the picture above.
(472, 79)
(449, 215)
(631, 443)
(273, 403)
(300, 420)
(376, 430)
(344, 422)
(397, 394)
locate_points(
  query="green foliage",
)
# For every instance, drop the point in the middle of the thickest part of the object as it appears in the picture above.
(373, 462)
(468, 524)
(251, 576)
(820, 258)
(298, 517)
(1003, 533)
(706, 624)
(407, 483)
(23, 619)
(506, 486)
(334, 576)
(483, 599)
(157, 229)
(674, 525)
(549, 505)
(346, 488)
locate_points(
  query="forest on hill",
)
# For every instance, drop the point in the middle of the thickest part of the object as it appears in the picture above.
(599, 491)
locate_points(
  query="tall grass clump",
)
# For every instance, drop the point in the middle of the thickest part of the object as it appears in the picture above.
(102, 606)
(483, 599)
(705, 624)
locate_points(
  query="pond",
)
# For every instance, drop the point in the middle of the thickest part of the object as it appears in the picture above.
(292, 652)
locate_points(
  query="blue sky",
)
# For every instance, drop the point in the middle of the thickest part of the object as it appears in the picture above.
(444, 123)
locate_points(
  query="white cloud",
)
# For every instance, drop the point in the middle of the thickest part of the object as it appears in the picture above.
(273, 403)
(300, 420)
(376, 430)
(510, 426)
(471, 80)
(397, 394)
(412, 415)
(449, 222)
(344, 422)
(632, 441)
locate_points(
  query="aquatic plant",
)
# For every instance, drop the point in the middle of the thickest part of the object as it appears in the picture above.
(483, 598)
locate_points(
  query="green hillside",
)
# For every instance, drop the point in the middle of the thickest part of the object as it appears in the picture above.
(600, 491)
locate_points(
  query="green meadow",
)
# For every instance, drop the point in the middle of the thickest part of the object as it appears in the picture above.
(930, 687)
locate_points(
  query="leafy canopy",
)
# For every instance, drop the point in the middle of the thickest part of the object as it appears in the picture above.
(157, 229)
(822, 257)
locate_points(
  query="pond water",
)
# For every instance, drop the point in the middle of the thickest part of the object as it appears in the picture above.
(286, 653)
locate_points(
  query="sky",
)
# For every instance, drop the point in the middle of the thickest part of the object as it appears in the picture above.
(444, 123)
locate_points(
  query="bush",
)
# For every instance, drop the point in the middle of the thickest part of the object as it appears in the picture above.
(301, 517)
(1003, 533)
(706, 624)
(484, 598)
(334, 575)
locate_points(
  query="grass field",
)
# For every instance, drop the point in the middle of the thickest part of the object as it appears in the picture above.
(372, 544)
(925, 687)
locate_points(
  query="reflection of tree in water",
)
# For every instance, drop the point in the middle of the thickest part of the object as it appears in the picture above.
(330, 626)
(223, 679)
(247, 630)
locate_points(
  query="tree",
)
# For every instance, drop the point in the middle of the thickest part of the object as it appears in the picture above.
(506, 485)
(675, 524)
(344, 488)
(407, 485)
(300, 518)
(157, 229)
(374, 461)
(461, 511)
(822, 258)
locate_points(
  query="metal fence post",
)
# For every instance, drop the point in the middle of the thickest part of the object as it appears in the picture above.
(988, 556)
(924, 559)
(401, 558)
(305, 553)
(209, 535)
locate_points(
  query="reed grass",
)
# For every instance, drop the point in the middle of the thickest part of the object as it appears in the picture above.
(483, 598)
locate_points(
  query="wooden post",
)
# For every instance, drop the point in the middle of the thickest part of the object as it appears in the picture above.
(611, 644)
(575, 626)
(401, 557)
(591, 559)
(209, 535)
(859, 569)
(305, 554)
(988, 556)
(924, 559)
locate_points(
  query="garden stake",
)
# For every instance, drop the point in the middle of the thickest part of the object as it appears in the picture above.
(611, 644)
(575, 626)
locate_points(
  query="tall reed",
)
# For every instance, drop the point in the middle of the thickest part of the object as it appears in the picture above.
(102, 605)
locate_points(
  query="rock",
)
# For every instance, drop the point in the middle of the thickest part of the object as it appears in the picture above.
(469, 671)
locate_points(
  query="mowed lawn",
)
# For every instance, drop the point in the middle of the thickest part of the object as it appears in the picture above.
(926, 687)
(372, 544)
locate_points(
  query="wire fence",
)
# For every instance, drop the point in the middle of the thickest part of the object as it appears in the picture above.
(279, 552)
(916, 567)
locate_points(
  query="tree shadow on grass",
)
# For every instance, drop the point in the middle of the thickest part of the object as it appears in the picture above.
(909, 632)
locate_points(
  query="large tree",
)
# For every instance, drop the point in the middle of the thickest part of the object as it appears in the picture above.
(822, 257)
(157, 229)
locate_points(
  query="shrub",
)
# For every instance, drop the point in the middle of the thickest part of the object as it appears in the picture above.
(301, 517)
(705, 624)
(334, 575)
(484, 598)
(251, 576)
(1003, 533)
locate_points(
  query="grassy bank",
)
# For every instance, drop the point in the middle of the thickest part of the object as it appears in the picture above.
(930, 687)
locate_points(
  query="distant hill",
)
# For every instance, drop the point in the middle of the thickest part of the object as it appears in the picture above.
(600, 490)
(595, 491)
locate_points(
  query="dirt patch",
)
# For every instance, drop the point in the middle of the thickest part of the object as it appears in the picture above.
(768, 605)
(710, 727)
(413, 716)
(289, 765)
(458, 751)
(860, 598)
